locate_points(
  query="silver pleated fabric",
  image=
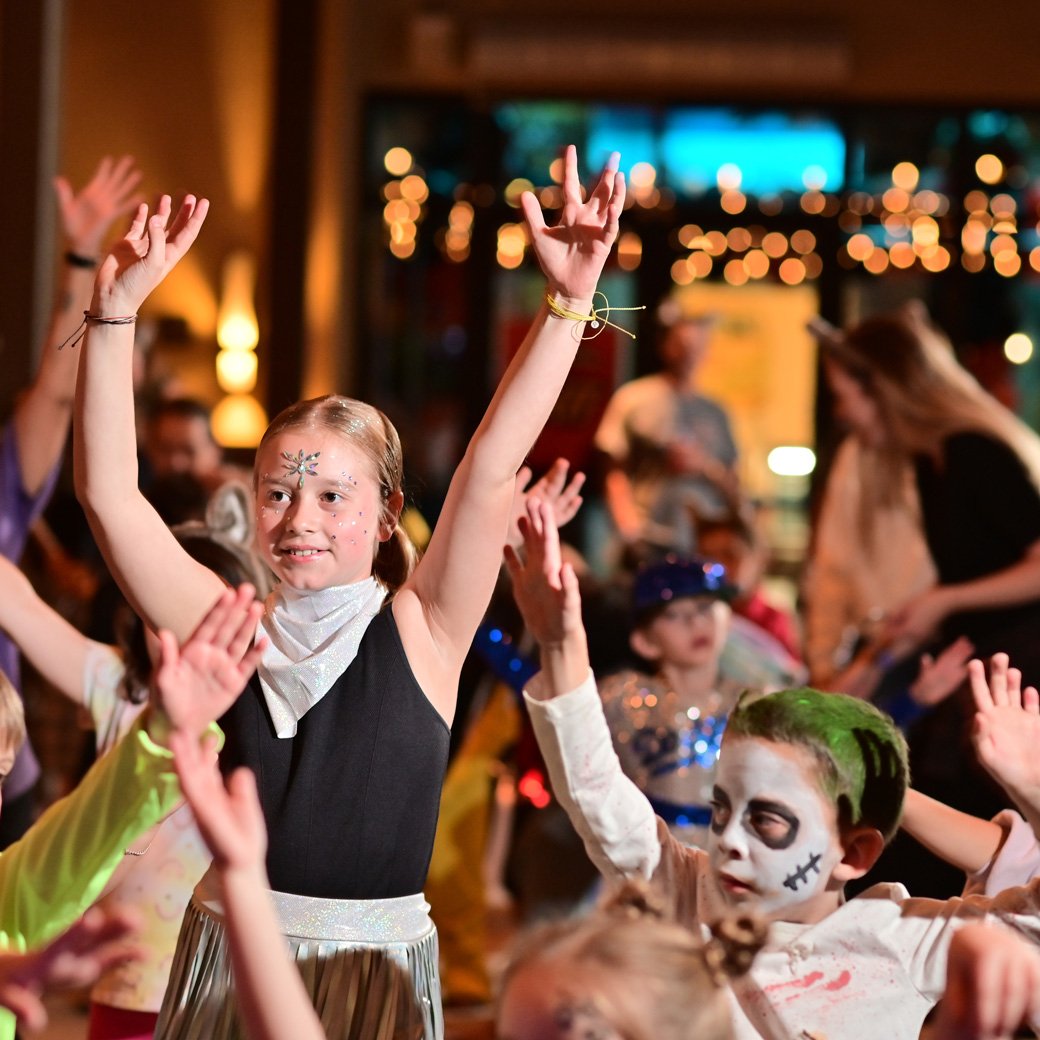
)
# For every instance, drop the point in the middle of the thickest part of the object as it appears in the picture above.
(387, 989)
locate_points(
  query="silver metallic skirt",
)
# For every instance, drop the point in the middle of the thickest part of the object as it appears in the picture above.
(370, 967)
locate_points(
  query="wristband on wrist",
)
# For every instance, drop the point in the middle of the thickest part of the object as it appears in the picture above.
(597, 320)
(95, 319)
(74, 259)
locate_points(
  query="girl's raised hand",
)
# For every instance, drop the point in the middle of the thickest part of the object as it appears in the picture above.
(545, 589)
(572, 253)
(141, 259)
(1007, 731)
(561, 495)
(196, 683)
(86, 216)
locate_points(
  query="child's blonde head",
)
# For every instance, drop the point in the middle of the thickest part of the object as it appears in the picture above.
(12, 716)
(369, 431)
(629, 973)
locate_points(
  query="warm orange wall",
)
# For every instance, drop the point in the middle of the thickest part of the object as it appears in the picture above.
(185, 88)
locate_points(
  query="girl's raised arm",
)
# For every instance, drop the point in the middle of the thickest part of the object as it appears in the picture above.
(438, 610)
(55, 648)
(161, 581)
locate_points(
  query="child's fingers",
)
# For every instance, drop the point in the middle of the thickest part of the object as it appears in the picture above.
(617, 204)
(186, 227)
(210, 624)
(523, 478)
(233, 618)
(513, 564)
(551, 560)
(138, 224)
(571, 181)
(1031, 700)
(534, 516)
(244, 637)
(248, 662)
(532, 213)
(571, 589)
(163, 210)
(169, 651)
(605, 185)
(556, 478)
(24, 1005)
(998, 677)
(244, 795)
(1014, 687)
(980, 690)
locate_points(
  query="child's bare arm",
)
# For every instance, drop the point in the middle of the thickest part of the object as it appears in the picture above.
(56, 649)
(1007, 733)
(270, 993)
(610, 813)
(162, 582)
(964, 841)
(42, 414)
(440, 607)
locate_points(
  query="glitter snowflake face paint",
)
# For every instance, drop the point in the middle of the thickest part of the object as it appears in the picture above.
(304, 465)
(774, 836)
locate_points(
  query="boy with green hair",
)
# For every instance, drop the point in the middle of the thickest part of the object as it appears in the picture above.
(808, 790)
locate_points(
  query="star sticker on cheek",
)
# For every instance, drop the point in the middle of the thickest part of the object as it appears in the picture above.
(304, 465)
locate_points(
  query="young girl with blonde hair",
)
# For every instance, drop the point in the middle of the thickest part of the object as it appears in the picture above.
(346, 726)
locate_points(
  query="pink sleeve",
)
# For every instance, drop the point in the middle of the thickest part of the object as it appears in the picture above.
(1017, 860)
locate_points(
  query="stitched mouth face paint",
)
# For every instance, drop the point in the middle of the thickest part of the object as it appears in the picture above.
(304, 465)
(774, 836)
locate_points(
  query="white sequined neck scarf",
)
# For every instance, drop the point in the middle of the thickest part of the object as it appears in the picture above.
(313, 635)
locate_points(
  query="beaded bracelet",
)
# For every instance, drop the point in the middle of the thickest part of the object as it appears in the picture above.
(597, 320)
(95, 319)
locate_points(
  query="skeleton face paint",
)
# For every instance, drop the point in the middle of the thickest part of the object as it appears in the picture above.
(774, 836)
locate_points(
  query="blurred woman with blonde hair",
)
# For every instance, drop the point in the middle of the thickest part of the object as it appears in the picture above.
(976, 469)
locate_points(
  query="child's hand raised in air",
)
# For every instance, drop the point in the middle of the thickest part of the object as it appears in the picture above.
(141, 259)
(230, 818)
(545, 589)
(1007, 732)
(572, 253)
(940, 676)
(196, 683)
(86, 216)
(563, 496)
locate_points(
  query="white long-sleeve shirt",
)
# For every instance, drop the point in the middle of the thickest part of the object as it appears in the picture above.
(871, 969)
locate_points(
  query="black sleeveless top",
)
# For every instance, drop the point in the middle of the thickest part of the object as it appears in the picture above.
(351, 800)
